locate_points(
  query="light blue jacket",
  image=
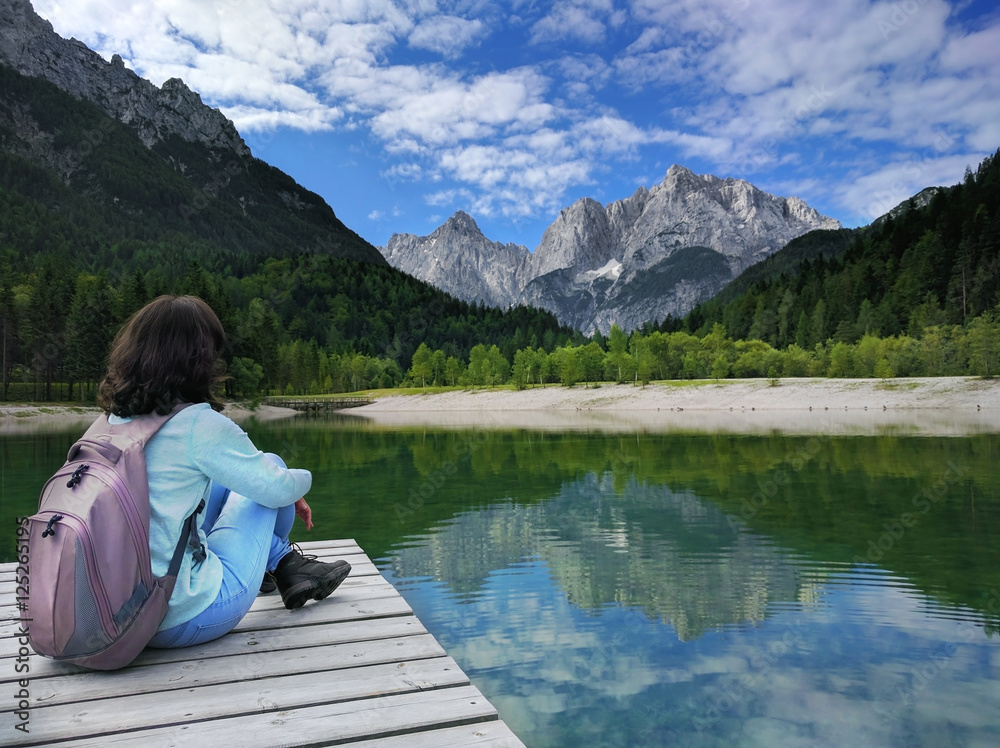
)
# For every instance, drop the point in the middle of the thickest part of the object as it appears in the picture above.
(192, 449)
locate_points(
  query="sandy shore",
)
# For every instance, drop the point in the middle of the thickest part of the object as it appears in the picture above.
(940, 405)
(26, 419)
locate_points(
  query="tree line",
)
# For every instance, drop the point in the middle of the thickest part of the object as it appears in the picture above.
(949, 350)
(303, 325)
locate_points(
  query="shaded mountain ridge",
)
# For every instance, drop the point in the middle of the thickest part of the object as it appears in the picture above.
(146, 161)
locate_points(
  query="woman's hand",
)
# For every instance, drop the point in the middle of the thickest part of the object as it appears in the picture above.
(304, 512)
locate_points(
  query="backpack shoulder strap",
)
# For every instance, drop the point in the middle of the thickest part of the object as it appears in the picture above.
(139, 429)
(189, 536)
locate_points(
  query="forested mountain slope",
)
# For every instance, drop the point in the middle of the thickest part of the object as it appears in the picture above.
(931, 264)
(94, 222)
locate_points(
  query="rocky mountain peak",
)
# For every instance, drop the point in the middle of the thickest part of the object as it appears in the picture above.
(658, 252)
(462, 223)
(457, 258)
(677, 172)
(29, 44)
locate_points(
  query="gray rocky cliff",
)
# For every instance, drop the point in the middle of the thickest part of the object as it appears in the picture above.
(580, 237)
(30, 45)
(457, 258)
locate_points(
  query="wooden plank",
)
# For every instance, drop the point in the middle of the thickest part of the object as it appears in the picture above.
(362, 574)
(333, 724)
(324, 612)
(88, 685)
(188, 666)
(360, 567)
(479, 735)
(42, 667)
(234, 699)
(240, 643)
(353, 590)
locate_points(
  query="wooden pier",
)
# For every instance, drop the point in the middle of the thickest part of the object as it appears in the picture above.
(319, 404)
(355, 669)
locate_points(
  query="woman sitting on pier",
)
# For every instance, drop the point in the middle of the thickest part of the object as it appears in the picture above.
(167, 354)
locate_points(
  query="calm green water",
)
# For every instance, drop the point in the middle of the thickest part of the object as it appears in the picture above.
(664, 589)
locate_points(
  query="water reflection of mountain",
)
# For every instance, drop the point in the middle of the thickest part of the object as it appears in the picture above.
(670, 554)
(835, 501)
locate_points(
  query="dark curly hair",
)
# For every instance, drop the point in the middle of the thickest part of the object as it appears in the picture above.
(168, 352)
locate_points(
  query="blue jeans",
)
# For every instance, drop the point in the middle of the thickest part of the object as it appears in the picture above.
(249, 539)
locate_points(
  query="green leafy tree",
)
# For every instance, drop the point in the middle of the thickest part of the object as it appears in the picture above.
(496, 368)
(868, 352)
(478, 365)
(617, 351)
(246, 376)
(569, 368)
(883, 370)
(421, 368)
(841, 361)
(438, 365)
(591, 361)
(642, 355)
(984, 345)
(520, 373)
(453, 370)
(720, 367)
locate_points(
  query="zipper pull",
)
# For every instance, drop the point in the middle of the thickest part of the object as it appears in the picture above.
(49, 529)
(77, 474)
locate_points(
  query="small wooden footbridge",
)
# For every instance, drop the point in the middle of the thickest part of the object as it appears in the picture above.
(319, 405)
(355, 669)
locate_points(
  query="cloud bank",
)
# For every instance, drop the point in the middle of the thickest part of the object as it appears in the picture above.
(506, 107)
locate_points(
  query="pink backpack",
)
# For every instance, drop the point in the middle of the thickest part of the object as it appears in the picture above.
(93, 598)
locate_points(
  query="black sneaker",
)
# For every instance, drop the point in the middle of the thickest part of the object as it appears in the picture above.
(267, 585)
(300, 578)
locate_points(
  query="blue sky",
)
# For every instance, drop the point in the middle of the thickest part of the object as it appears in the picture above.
(401, 112)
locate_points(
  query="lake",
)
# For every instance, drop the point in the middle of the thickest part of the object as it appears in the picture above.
(643, 588)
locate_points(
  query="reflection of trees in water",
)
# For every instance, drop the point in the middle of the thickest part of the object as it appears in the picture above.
(669, 554)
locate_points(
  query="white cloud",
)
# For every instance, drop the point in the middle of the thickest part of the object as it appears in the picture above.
(448, 35)
(784, 79)
(873, 194)
(744, 87)
(257, 119)
(582, 20)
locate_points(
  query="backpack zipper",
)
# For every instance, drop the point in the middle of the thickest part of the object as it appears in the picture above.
(111, 479)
